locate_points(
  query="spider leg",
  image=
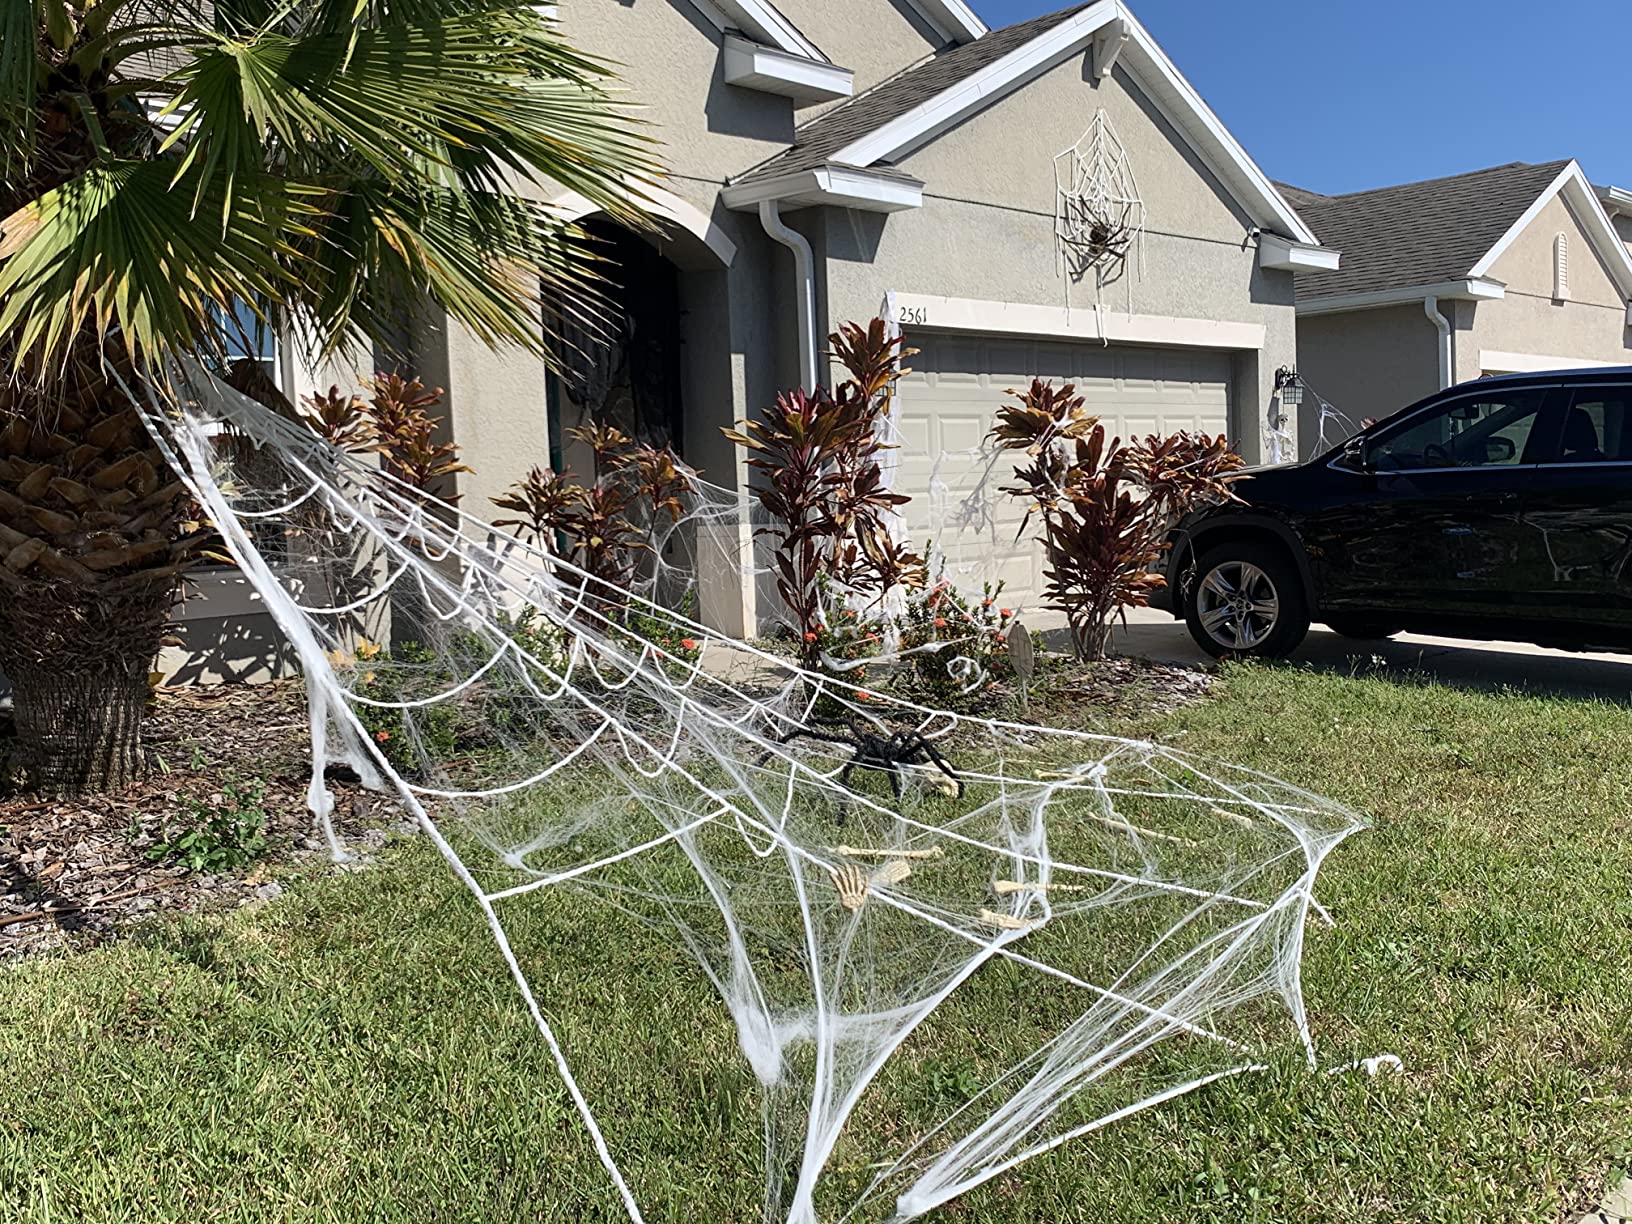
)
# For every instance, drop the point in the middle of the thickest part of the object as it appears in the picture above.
(939, 761)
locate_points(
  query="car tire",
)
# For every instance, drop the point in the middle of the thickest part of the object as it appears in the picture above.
(1362, 628)
(1247, 599)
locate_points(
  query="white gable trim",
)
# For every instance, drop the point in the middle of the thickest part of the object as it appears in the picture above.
(1172, 94)
(975, 92)
(840, 186)
(1589, 213)
(755, 66)
(1475, 289)
(760, 21)
(955, 20)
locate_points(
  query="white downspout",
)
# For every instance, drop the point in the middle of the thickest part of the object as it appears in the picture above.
(1430, 306)
(770, 216)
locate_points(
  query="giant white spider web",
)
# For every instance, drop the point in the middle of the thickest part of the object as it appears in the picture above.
(1098, 214)
(1138, 913)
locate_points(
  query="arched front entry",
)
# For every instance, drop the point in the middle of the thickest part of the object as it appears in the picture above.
(661, 359)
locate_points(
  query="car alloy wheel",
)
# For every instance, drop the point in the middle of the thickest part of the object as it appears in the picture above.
(1238, 605)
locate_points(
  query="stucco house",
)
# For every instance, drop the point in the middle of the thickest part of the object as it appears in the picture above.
(1051, 198)
(832, 159)
(1509, 270)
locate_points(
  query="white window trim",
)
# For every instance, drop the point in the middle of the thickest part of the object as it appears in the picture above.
(1057, 322)
(1174, 96)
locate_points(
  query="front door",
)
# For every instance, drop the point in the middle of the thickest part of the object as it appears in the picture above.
(1434, 523)
(1579, 513)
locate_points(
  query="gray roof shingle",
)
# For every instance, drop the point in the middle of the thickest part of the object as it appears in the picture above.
(816, 143)
(1416, 233)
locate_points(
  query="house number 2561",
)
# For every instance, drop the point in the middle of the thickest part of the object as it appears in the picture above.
(914, 314)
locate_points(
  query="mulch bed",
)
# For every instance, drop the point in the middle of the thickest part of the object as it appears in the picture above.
(76, 872)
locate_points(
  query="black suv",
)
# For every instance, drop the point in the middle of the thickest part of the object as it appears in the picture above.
(1497, 509)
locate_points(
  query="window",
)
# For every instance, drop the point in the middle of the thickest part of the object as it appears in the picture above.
(247, 336)
(1480, 431)
(1598, 427)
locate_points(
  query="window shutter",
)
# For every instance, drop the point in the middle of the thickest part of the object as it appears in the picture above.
(1561, 268)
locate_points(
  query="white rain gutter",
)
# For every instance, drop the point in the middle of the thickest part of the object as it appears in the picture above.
(770, 216)
(1430, 307)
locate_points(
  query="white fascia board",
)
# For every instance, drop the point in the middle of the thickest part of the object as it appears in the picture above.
(756, 66)
(1588, 209)
(839, 186)
(1002, 76)
(761, 20)
(955, 20)
(1494, 361)
(1173, 95)
(1473, 289)
(1103, 326)
(1617, 201)
(1278, 254)
(1183, 107)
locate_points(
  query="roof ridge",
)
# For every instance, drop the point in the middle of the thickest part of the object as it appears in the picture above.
(1559, 164)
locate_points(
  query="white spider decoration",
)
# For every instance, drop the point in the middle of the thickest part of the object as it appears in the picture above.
(839, 865)
(1098, 213)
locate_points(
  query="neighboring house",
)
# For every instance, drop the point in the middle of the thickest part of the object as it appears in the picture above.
(1617, 203)
(1050, 199)
(1509, 270)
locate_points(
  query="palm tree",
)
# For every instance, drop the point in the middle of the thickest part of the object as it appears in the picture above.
(168, 165)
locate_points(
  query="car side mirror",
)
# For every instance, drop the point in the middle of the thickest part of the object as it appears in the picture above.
(1355, 454)
(1500, 450)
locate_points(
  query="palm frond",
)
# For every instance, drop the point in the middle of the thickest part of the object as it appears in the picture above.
(116, 248)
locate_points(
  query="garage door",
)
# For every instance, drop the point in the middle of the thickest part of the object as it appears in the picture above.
(946, 408)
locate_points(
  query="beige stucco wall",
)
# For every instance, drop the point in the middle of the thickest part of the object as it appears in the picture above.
(1367, 363)
(668, 62)
(986, 228)
(1590, 325)
(875, 40)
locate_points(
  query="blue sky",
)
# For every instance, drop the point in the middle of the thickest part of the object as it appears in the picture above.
(1336, 96)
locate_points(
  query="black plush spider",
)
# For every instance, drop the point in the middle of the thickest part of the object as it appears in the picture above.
(873, 749)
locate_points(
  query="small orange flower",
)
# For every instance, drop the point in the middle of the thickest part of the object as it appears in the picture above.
(1005, 613)
(999, 638)
(940, 622)
(861, 694)
(382, 736)
(986, 603)
(688, 643)
(810, 637)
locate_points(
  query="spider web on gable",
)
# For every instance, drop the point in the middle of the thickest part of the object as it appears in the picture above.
(1099, 215)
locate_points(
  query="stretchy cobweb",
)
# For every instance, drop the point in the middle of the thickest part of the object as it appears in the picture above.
(848, 871)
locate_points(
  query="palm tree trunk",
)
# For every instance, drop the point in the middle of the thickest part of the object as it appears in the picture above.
(78, 661)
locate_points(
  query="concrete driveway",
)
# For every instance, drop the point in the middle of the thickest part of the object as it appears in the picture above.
(1155, 635)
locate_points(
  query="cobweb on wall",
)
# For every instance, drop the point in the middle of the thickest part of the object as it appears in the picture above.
(1099, 215)
(845, 870)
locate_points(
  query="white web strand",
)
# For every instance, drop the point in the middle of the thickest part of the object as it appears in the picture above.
(835, 898)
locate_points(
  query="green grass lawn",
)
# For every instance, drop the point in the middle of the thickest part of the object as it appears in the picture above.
(356, 1051)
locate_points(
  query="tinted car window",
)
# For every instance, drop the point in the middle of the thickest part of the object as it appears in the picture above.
(1598, 427)
(1479, 431)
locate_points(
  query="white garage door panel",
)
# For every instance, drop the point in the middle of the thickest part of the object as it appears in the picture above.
(947, 405)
